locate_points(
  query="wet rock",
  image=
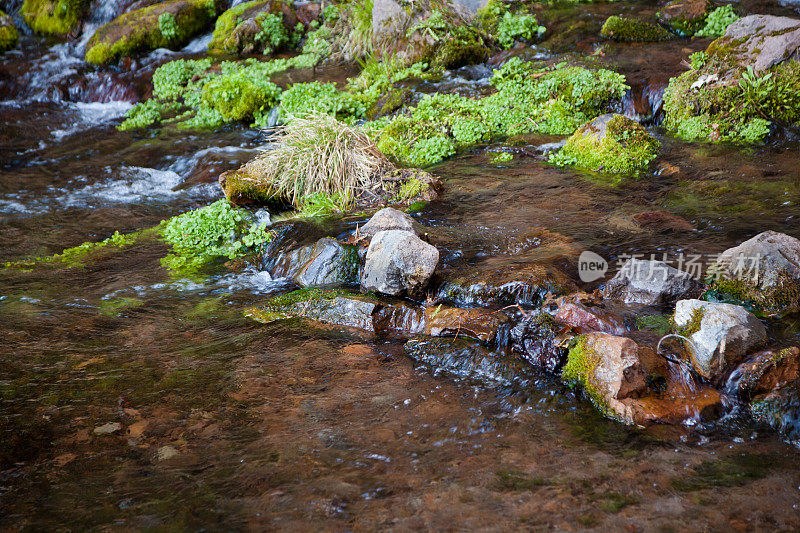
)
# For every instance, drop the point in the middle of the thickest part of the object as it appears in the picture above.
(326, 263)
(652, 283)
(9, 36)
(466, 359)
(763, 41)
(662, 222)
(169, 24)
(611, 144)
(387, 219)
(608, 369)
(534, 337)
(478, 324)
(398, 262)
(53, 17)
(578, 312)
(781, 410)
(165, 453)
(684, 17)
(632, 30)
(107, 429)
(722, 335)
(238, 28)
(764, 270)
(702, 404)
(764, 372)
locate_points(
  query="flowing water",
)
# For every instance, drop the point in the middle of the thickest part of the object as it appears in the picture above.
(132, 400)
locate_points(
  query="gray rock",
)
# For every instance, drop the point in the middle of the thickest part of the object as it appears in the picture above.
(330, 263)
(398, 262)
(781, 410)
(651, 283)
(763, 41)
(107, 429)
(387, 219)
(726, 334)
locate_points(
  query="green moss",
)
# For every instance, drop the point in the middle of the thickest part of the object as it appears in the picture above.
(778, 300)
(412, 188)
(53, 17)
(579, 371)
(280, 307)
(660, 324)
(112, 307)
(461, 46)
(632, 30)
(240, 95)
(625, 150)
(514, 481)
(730, 471)
(693, 325)
(164, 25)
(502, 157)
(9, 36)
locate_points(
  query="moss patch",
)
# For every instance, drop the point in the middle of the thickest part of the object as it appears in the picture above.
(9, 36)
(53, 17)
(624, 150)
(778, 300)
(580, 370)
(632, 30)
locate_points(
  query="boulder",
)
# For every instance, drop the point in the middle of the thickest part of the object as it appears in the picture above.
(170, 24)
(329, 263)
(764, 270)
(722, 334)
(240, 29)
(764, 372)
(53, 17)
(781, 410)
(478, 324)
(387, 219)
(652, 283)
(534, 337)
(398, 262)
(608, 369)
(684, 17)
(763, 41)
(632, 30)
(9, 36)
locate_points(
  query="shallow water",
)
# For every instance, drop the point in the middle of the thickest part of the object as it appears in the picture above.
(226, 424)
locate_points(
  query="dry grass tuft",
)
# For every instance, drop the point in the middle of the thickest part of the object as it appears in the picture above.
(318, 155)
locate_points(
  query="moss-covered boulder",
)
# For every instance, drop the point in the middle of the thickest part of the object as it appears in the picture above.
(258, 26)
(745, 83)
(9, 36)
(632, 30)
(763, 272)
(780, 409)
(169, 24)
(53, 17)
(685, 17)
(608, 370)
(611, 144)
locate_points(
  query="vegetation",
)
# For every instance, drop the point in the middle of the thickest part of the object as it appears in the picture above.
(717, 22)
(632, 30)
(579, 371)
(253, 27)
(620, 148)
(9, 36)
(508, 28)
(53, 17)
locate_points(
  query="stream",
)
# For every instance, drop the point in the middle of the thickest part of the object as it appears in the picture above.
(131, 400)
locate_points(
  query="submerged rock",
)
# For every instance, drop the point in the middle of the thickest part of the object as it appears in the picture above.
(611, 144)
(653, 283)
(632, 30)
(781, 410)
(722, 335)
(325, 263)
(387, 219)
(764, 270)
(478, 324)
(608, 369)
(584, 318)
(398, 262)
(534, 337)
(9, 36)
(764, 372)
(169, 24)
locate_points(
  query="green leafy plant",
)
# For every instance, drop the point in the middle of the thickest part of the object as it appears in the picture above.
(514, 28)
(717, 22)
(168, 26)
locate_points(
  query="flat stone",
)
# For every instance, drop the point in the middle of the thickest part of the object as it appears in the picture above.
(107, 429)
(652, 283)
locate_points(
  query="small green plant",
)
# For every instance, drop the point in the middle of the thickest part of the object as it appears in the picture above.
(717, 22)
(698, 60)
(168, 26)
(513, 28)
(273, 34)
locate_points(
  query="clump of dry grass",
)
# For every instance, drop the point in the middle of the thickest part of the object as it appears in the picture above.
(315, 154)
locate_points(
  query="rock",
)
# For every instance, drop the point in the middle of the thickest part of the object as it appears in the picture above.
(685, 17)
(611, 144)
(722, 335)
(398, 262)
(608, 369)
(9, 36)
(703, 404)
(387, 219)
(584, 319)
(107, 429)
(53, 17)
(632, 30)
(764, 372)
(652, 283)
(781, 410)
(662, 222)
(762, 41)
(165, 453)
(764, 270)
(478, 324)
(170, 24)
(327, 263)
(466, 359)
(238, 28)
(534, 337)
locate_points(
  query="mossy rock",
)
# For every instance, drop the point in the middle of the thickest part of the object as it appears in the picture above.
(245, 28)
(780, 409)
(611, 144)
(169, 24)
(685, 17)
(462, 46)
(631, 30)
(9, 36)
(53, 17)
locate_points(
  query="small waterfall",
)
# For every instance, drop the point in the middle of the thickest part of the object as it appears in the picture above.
(643, 103)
